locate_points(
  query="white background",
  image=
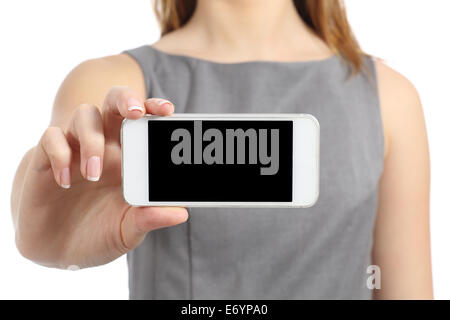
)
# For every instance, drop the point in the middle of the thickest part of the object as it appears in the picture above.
(40, 41)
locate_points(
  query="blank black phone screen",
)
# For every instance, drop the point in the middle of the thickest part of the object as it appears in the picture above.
(220, 160)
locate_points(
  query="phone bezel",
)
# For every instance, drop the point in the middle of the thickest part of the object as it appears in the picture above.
(306, 137)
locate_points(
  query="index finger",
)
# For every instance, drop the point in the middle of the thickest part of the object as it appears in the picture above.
(120, 102)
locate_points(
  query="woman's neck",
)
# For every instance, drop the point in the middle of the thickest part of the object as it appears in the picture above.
(240, 30)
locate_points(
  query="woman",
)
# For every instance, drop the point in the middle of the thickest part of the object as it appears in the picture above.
(373, 206)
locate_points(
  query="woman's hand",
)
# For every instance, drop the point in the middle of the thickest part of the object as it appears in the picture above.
(71, 211)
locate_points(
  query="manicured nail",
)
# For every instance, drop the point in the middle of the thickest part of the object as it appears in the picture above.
(162, 102)
(165, 104)
(93, 168)
(65, 178)
(134, 104)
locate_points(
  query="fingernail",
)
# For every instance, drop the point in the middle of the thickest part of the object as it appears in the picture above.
(65, 178)
(93, 168)
(162, 102)
(165, 104)
(134, 104)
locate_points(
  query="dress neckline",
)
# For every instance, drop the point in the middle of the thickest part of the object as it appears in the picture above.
(251, 62)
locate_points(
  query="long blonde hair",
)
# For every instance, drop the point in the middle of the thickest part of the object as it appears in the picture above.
(327, 18)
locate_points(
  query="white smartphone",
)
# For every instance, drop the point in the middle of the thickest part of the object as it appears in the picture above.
(221, 160)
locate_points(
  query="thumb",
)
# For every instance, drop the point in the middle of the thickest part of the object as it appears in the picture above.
(137, 221)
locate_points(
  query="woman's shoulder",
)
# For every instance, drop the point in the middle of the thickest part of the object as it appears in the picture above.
(393, 83)
(400, 104)
(91, 80)
(120, 68)
(100, 74)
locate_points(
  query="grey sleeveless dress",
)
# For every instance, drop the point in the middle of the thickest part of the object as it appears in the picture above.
(317, 253)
